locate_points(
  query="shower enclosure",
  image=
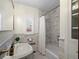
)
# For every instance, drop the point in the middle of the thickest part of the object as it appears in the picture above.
(52, 20)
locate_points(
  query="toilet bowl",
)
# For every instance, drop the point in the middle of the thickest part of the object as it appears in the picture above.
(8, 57)
(20, 50)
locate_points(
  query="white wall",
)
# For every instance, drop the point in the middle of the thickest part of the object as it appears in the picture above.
(5, 11)
(23, 12)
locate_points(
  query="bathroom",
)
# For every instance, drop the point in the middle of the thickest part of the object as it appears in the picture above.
(37, 29)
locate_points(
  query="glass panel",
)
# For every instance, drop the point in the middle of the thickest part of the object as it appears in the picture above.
(74, 5)
(74, 11)
(74, 33)
(74, 2)
(74, 19)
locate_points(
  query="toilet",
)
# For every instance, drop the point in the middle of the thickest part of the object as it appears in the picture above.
(8, 57)
(20, 50)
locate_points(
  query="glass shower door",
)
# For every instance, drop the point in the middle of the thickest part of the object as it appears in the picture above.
(74, 19)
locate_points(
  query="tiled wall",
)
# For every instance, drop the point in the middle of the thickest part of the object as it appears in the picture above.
(52, 25)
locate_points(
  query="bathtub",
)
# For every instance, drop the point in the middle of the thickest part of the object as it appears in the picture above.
(51, 55)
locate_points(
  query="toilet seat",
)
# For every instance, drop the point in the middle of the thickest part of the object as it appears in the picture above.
(20, 50)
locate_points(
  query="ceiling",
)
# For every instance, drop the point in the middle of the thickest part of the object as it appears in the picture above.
(43, 5)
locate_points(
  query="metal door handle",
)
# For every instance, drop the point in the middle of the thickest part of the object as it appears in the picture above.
(60, 39)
